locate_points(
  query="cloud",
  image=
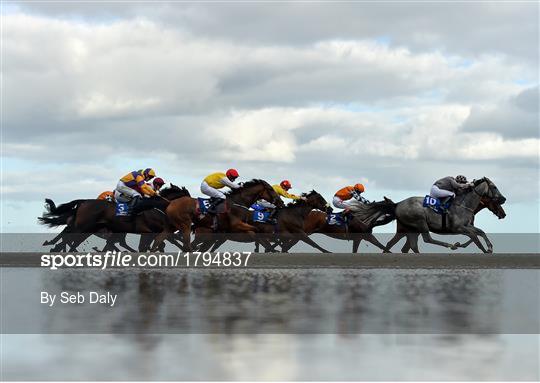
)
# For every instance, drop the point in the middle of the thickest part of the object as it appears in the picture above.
(393, 95)
(516, 117)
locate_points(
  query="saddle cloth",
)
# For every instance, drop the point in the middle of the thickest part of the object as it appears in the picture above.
(261, 216)
(336, 219)
(435, 204)
(122, 209)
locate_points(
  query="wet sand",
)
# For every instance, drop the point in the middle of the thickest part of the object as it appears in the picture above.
(345, 260)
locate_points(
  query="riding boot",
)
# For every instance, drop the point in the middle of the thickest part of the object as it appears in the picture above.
(134, 205)
(446, 202)
(214, 203)
(272, 217)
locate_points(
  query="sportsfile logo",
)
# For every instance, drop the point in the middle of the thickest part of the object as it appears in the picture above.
(117, 259)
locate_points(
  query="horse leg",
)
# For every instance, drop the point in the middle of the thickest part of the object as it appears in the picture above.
(217, 244)
(472, 232)
(406, 246)
(122, 242)
(429, 239)
(373, 240)
(356, 244)
(57, 238)
(464, 245)
(305, 238)
(174, 242)
(395, 239)
(488, 242)
(145, 241)
(413, 242)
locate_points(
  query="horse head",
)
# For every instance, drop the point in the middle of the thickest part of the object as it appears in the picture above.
(315, 200)
(490, 196)
(256, 189)
(174, 192)
(493, 207)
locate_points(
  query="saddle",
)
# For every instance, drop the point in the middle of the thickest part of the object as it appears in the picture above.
(337, 219)
(211, 206)
(438, 207)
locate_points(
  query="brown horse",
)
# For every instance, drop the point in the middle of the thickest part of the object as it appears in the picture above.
(356, 229)
(86, 217)
(183, 212)
(289, 227)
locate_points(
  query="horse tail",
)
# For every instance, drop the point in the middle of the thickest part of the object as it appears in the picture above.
(376, 213)
(49, 205)
(64, 208)
(59, 215)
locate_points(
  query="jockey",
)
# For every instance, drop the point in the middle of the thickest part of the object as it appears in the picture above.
(157, 184)
(349, 197)
(282, 189)
(132, 186)
(215, 181)
(107, 196)
(445, 189)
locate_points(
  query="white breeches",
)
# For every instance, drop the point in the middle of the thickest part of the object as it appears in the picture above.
(351, 204)
(124, 193)
(211, 192)
(266, 204)
(440, 193)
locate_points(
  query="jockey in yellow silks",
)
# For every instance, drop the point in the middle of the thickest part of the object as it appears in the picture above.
(133, 185)
(282, 189)
(215, 181)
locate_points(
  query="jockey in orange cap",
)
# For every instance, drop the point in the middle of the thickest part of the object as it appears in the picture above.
(215, 181)
(133, 185)
(349, 197)
(107, 196)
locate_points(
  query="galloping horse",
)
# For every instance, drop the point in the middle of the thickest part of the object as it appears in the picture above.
(359, 227)
(289, 223)
(86, 217)
(413, 218)
(181, 213)
(495, 208)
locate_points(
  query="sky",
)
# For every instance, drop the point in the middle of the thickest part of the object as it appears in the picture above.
(325, 94)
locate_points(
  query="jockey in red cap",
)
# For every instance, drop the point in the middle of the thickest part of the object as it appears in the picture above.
(215, 181)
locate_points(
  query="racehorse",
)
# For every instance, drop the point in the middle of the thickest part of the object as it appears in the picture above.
(413, 218)
(86, 217)
(360, 225)
(289, 223)
(495, 208)
(182, 212)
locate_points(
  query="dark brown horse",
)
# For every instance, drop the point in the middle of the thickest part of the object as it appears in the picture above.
(183, 212)
(355, 229)
(86, 217)
(289, 227)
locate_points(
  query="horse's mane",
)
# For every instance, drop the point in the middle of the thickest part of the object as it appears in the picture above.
(248, 184)
(166, 192)
(301, 202)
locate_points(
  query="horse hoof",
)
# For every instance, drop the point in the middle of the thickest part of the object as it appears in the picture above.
(453, 247)
(490, 251)
(457, 244)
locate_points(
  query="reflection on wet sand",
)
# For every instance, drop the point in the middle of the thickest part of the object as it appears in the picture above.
(288, 301)
(297, 324)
